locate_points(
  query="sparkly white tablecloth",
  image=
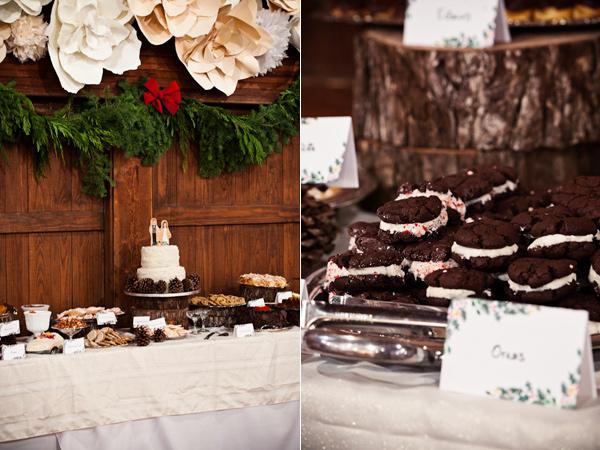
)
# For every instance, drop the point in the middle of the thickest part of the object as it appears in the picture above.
(49, 394)
(363, 406)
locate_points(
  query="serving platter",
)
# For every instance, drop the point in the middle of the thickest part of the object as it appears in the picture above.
(167, 295)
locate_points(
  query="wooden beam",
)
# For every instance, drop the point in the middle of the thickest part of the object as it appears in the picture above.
(51, 221)
(229, 215)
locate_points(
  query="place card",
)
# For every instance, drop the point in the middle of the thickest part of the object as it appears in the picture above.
(138, 321)
(106, 318)
(328, 152)
(512, 351)
(243, 330)
(281, 296)
(256, 303)
(157, 323)
(456, 23)
(9, 328)
(73, 346)
(16, 351)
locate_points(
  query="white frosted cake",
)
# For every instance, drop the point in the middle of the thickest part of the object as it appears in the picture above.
(161, 262)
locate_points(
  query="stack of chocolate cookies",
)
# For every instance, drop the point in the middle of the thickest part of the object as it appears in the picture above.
(477, 233)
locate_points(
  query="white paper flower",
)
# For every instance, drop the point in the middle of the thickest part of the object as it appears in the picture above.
(228, 53)
(289, 6)
(159, 20)
(4, 35)
(295, 31)
(28, 38)
(88, 36)
(11, 10)
(277, 25)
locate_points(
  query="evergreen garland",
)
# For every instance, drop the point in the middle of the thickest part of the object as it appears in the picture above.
(224, 142)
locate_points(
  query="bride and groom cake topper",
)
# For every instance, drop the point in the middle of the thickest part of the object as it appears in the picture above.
(159, 235)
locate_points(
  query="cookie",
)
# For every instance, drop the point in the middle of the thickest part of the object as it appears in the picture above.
(510, 206)
(473, 190)
(526, 220)
(455, 207)
(486, 244)
(411, 219)
(358, 272)
(587, 302)
(425, 257)
(558, 238)
(447, 284)
(387, 296)
(580, 187)
(504, 179)
(594, 274)
(537, 280)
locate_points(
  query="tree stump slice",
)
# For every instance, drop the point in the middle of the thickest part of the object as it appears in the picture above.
(539, 91)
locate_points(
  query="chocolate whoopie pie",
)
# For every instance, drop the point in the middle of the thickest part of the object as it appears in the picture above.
(486, 244)
(527, 220)
(362, 229)
(594, 274)
(455, 206)
(509, 207)
(447, 284)
(474, 191)
(587, 302)
(387, 296)
(568, 237)
(504, 179)
(411, 219)
(537, 280)
(581, 187)
(424, 257)
(358, 272)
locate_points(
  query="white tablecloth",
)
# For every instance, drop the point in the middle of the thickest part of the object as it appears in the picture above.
(268, 427)
(363, 406)
(49, 394)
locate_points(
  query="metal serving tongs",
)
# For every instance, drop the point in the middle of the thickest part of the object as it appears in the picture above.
(380, 332)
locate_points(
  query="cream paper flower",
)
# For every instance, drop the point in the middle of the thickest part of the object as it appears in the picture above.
(161, 19)
(88, 36)
(228, 53)
(289, 6)
(277, 25)
(4, 35)
(28, 38)
(295, 31)
(11, 10)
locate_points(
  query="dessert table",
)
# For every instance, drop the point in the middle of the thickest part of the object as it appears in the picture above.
(190, 391)
(366, 406)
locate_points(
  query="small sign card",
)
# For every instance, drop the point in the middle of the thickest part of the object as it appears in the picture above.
(9, 328)
(138, 321)
(281, 296)
(157, 323)
(16, 351)
(243, 330)
(73, 346)
(455, 23)
(256, 303)
(327, 152)
(512, 351)
(106, 318)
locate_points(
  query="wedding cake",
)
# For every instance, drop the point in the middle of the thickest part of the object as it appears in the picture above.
(161, 262)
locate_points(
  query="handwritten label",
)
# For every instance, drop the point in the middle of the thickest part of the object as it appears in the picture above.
(281, 296)
(257, 302)
(16, 351)
(106, 318)
(525, 353)
(9, 328)
(243, 330)
(157, 323)
(73, 346)
(138, 321)
(456, 23)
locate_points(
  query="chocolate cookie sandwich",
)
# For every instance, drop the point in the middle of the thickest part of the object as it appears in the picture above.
(527, 220)
(355, 272)
(587, 302)
(581, 188)
(568, 237)
(361, 229)
(509, 207)
(504, 179)
(387, 296)
(411, 219)
(594, 274)
(486, 244)
(536, 280)
(424, 257)
(447, 284)
(455, 206)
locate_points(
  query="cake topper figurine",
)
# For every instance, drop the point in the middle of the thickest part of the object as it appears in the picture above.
(153, 231)
(164, 234)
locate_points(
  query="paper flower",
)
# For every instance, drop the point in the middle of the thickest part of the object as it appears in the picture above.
(11, 10)
(289, 6)
(88, 36)
(161, 19)
(28, 38)
(295, 31)
(228, 53)
(277, 25)
(4, 35)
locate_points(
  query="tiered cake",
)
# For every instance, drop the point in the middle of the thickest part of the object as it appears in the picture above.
(161, 263)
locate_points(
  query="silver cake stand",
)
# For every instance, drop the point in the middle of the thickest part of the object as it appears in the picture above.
(165, 296)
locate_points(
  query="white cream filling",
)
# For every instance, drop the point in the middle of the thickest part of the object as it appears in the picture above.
(507, 186)
(440, 292)
(334, 271)
(420, 269)
(555, 239)
(447, 199)
(594, 277)
(469, 252)
(553, 285)
(352, 243)
(416, 229)
(483, 199)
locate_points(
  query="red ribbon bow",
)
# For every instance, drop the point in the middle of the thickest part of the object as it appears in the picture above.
(170, 96)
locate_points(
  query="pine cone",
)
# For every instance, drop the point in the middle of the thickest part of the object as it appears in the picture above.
(142, 336)
(188, 285)
(175, 286)
(160, 287)
(159, 335)
(145, 286)
(195, 279)
(318, 230)
(130, 284)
